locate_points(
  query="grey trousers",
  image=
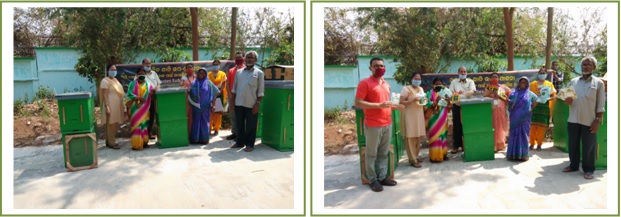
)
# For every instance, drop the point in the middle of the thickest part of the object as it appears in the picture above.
(578, 132)
(378, 146)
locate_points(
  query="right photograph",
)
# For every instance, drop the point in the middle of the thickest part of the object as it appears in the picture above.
(459, 108)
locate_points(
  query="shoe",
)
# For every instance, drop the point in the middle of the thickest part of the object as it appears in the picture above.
(248, 149)
(237, 146)
(538, 148)
(588, 175)
(115, 146)
(231, 137)
(388, 182)
(376, 186)
(454, 151)
(569, 170)
(416, 165)
(531, 147)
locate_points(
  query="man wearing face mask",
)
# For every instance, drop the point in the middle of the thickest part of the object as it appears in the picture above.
(230, 78)
(247, 92)
(462, 87)
(540, 119)
(373, 97)
(585, 116)
(155, 81)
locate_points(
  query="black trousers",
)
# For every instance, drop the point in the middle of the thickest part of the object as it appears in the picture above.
(458, 131)
(246, 126)
(151, 115)
(589, 141)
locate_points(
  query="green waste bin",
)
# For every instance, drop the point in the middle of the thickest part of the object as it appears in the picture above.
(79, 151)
(76, 112)
(171, 118)
(476, 117)
(561, 136)
(396, 143)
(278, 122)
(260, 120)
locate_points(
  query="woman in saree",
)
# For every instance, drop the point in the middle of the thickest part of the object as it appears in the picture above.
(437, 123)
(218, 78)
(541, 112)
(521, 103)
(112, 108)
(201, 97)
(499, 93)
(139, 93)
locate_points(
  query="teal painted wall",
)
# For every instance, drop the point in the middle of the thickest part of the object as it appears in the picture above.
(55, 68)
(340, 82)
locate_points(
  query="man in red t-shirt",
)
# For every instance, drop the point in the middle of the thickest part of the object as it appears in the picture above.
(230, 79)
(373, 97)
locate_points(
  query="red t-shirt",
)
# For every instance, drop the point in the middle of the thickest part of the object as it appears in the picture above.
(377, 91)
(230, 77)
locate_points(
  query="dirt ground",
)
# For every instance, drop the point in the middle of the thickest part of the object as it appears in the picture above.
(35, 129)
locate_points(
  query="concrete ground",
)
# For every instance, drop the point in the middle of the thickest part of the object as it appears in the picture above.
(191, 177)
(499, 184)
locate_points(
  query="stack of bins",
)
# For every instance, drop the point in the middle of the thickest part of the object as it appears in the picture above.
(561, 137)
(476, 119)
(396, 144)
(171, 118)
(278, 122)
(76, 112)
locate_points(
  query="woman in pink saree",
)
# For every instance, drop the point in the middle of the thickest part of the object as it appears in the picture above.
(139, 94)
(499, 92)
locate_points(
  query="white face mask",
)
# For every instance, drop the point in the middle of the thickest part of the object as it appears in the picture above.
(416, 82)
(463, 76)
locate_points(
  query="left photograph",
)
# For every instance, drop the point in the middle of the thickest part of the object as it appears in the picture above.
(154, 107)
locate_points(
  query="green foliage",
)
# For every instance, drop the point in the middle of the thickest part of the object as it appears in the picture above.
(333, 115)
(340, 38)
(490, 64)
(44, 93)
(282, 55)
(18, 106)
(172, 55)
(43, 108)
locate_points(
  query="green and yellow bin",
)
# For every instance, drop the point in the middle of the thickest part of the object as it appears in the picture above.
(561, 137)
(277, 115)
(396, 143)
(171, 118)
(476, 119)
(76, 113)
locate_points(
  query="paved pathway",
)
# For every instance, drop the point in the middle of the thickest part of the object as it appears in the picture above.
(454, 184)
(192, 177)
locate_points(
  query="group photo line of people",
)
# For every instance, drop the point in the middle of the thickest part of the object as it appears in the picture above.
(210, 93)
(521, 116)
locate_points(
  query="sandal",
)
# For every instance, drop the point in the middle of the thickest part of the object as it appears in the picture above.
(569, 169)
(588, 175)
(388, 182)
(115, 146)
(416, 165)
(376, 186)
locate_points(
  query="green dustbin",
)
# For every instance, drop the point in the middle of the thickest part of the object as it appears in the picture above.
(561, 136)
(260, 120)
(396, 138)
(476, 117)
(277, 124)
(171, 118)
(80, 151)
(76, 112)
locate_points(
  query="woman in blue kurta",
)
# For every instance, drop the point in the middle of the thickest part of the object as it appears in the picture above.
(521, 103)
(202, 93)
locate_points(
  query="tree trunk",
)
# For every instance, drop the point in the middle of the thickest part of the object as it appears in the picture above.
(194, 14)
(549, 38)
(508, 12)
(233, 33)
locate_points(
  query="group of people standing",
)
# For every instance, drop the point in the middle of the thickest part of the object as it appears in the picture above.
(522, 114)
(209, 94)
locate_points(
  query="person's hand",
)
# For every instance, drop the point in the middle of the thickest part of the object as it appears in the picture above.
(595, 126)
(416, 98)
(399, 106)
(107, 111)
(461, 92)
(255, 109)
(213, 108)
(385, 104)
(232, 107)
(569, 100)
(438, 99)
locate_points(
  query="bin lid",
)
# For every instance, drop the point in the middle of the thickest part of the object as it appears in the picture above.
(171, 90)
(279, 84)
(75, 95)
(475, 100)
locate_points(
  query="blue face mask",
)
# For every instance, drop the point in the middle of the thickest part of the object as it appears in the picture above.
(216, 68)
(541, 76)
(112, 73)
(416, 82)
(147, 68)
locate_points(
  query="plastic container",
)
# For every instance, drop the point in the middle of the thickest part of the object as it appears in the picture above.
(279, 101)
(80, 151)
(171, 118)
(476, 117)
(76, 112)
